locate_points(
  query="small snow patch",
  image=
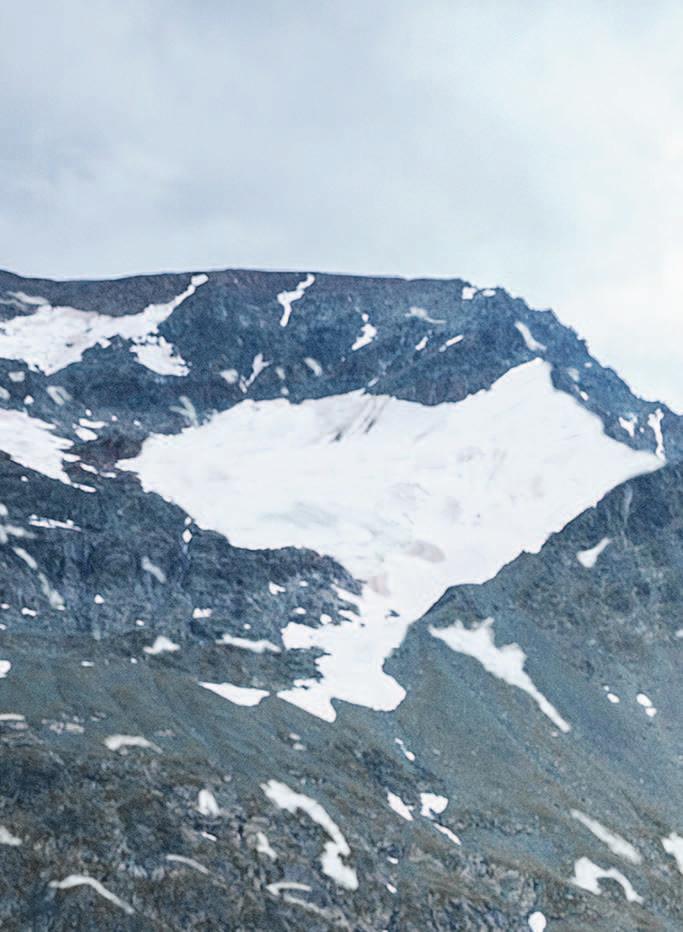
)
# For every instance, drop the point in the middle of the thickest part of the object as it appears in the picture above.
(399, 807)
(117, 742)
(263, 846)
(240, 695)
(422, 314)
(335, 849)
(448, 833)
(59, 395)
(189, 862)
(256, 647)
(280, 885)
(527, 336)
(313, 365)
(52, 523)
(153, 570)
(287, 298)
(616, 844)
(537, 921)
(367, 334)
(673, 845)
(432, 804)
(646, 703)
(588, 875)
(629, 424)
(207, 804)
(161, 645)
(452, 342)
(655, 422)
(7, 838)
(406, 753)
(78, 880)
(505, 663)
(258, 365)
(30, 442)
(588, 558)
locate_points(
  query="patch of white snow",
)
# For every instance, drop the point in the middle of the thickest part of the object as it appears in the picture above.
(527, 336)
(655, 422)
(207, 804)
(30, 442)
(673, 845)
(7, 838)
(448, 833)
(367, 334)
(616, 844)
(629, 424)
(161, 645)
(335, 849)
(53, 338)
(263, 846)
(314, 365)
(153, 570)
(588, 558)
(286, 298)
(588, 875)
(399, 807)
(117, 742)
(80, 880)
(506, 663)
(432, 804)
(240, 695)
(537, 921)
(256, 647)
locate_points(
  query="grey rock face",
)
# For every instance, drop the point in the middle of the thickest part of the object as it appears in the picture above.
(133, 798)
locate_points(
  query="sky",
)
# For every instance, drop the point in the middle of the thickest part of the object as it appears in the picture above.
(533, 145)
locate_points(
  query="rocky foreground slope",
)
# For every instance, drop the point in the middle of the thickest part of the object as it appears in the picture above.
(332, 602)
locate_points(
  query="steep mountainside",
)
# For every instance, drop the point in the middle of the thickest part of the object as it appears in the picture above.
(332, 602)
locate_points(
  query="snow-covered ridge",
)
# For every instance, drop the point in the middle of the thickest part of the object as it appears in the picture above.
(53, 338)
(411, 499)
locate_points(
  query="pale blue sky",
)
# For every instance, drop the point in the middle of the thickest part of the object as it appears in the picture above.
(538, 146)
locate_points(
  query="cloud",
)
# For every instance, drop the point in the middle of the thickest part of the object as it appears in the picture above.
(533, 146)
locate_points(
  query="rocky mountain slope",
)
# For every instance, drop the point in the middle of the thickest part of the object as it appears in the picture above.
(332, 602)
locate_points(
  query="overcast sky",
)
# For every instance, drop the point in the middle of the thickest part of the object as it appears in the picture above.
(538, 146)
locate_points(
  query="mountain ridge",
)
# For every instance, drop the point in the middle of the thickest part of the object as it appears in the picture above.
(245, 490)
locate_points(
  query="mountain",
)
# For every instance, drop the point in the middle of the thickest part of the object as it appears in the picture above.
(332, 603)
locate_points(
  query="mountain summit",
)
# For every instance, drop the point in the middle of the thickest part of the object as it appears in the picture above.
(332, 602)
